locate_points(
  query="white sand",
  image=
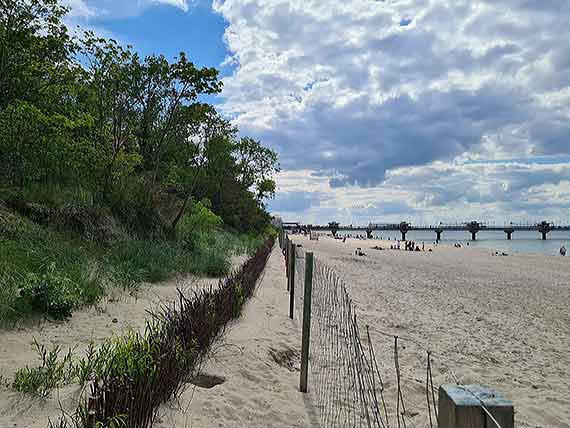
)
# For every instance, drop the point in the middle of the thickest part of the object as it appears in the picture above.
(257, 391)
(503, 322)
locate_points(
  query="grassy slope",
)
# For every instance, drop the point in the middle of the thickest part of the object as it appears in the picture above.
(47, 272)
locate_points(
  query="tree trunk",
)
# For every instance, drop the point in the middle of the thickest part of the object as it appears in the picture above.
(172, 230)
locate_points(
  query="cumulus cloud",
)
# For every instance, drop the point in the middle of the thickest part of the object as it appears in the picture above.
(181, 4)
(385, 97)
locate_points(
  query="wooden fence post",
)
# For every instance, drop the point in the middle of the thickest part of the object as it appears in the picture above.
(292, 280)
(474, 406)
(309, 261)
(287, 248)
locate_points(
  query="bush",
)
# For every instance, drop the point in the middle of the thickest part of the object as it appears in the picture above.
(198, 222)
(51, 293)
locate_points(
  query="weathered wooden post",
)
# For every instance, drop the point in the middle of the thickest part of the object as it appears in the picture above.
(292, 280)
(309, 261)
(474, 406)
(91, 412)
(287, 251)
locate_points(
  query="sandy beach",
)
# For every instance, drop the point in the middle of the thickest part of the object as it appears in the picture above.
(497, 321)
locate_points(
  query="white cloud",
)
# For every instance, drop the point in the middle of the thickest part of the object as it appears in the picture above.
(181, 4)
(363, 91)
(79, 9)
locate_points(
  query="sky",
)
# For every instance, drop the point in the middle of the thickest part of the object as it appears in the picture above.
(383, 110)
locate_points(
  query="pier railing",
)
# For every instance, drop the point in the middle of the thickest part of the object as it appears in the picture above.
(348, 381)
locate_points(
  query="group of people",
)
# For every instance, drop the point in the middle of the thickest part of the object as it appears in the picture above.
(408, 246)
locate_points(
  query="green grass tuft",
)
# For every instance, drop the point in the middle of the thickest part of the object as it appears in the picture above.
(54, 372)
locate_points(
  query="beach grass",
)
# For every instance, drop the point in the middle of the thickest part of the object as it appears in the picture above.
(44, 272)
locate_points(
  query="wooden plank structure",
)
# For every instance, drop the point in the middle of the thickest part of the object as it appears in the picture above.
(474, 406)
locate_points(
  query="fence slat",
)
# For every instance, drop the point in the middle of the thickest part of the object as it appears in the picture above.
(306, 321)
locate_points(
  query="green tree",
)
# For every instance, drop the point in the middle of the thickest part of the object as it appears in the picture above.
(199, 147)
(256, 167)
(35, 52)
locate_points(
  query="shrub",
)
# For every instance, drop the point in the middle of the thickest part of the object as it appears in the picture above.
(51, 293)
(198, 222)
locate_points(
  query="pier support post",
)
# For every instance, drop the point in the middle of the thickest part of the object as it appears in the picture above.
(473, 228)
(474, 406)
(404, 227)
(309, 261)
(544, 228)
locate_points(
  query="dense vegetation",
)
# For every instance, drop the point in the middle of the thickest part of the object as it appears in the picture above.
(113, 169)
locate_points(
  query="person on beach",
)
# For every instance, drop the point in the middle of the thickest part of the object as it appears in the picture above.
(563, 250)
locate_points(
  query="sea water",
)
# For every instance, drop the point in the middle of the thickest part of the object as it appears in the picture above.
(522, 241)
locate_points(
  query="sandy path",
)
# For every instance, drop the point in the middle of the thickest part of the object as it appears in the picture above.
(257, 392)
(498, 321)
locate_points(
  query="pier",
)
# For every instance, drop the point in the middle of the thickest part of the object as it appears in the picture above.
(473, 227)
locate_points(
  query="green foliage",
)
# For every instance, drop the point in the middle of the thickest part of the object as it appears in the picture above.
(8, 295)
(43, 271)
(133, 262)
(199, 218)
(92, 131)
(256, 166)
(53, 372)
(197, 225)
(50, 293)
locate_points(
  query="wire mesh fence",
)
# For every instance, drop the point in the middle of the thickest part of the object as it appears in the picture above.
(347, 384)
(344, 381)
